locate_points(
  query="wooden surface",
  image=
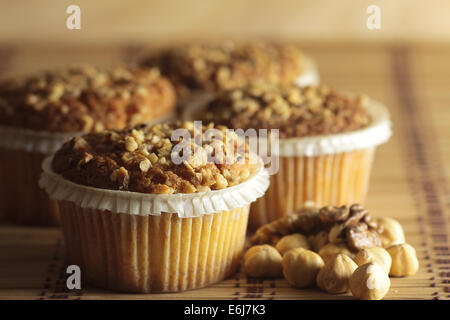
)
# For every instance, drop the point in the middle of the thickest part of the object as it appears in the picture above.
(308, 20)
(409, 181)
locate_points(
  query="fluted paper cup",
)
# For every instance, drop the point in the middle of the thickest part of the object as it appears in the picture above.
(134, 242)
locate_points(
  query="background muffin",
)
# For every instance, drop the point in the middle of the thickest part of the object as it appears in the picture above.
(136, 220)
(197, 69)
(40, 112)
(326, 142)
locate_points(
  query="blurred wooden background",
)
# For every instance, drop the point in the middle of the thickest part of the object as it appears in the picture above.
(116, 21)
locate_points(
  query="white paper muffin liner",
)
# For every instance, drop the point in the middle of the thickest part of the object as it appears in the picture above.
(378, 132)
(186, 205)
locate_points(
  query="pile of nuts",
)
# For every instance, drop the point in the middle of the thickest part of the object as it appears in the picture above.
(339, 249)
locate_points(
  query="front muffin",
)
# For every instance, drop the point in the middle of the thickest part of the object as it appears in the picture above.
(40, 112)
(160, 208)
(325, 148)
(200, 70)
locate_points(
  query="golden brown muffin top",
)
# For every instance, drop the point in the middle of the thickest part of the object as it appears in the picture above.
(228, 64)
(85, 99)
(295, 111)
(140, 159)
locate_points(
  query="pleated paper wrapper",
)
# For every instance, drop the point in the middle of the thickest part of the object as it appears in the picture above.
(133, 242)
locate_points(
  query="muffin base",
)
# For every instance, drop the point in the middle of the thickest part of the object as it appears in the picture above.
(22, 201)
(333, 179)
(134, 253)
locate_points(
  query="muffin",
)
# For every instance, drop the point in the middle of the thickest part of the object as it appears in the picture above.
(326, 143)
(200, 70)
(40, 112)
(138, 218)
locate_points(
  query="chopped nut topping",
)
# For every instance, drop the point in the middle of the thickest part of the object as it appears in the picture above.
(297, 112)
(228, 64)
(140, 159)
(85, 99)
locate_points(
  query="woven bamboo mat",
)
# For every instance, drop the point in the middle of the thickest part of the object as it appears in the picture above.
(409, 180)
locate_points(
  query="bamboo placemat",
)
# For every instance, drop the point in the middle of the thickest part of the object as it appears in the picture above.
(409, 180)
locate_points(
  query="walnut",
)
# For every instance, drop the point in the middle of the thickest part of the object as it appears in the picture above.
(351, 225)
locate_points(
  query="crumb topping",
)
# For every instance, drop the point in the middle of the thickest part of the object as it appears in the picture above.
(140, 159)
(295, 111)
(85, 99)
(228, 64)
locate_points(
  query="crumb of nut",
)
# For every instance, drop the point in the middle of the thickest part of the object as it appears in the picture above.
(334, 277)
(330, 249)
(138, 135)
(262, 261)
(144, 165)
(295, 240)
(404, 260)
(131, 144)
(376, 255)
(221, 182)
(301, 266)
(392, 232)
(369, 282)
(153, 158)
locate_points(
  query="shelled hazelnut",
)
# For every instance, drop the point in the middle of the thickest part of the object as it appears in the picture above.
(404, 260)
(301, 266)
(263, 261)
(369, 282)
(392, 232)
(331, 249)
(376, 255)
(334, 277)
(292, 241)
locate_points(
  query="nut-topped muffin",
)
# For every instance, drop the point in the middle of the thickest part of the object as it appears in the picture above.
(140, 160)
(296, 112)
(40, 112)
(139, 215)
(325, 148)
(198, 70)
(85, 99)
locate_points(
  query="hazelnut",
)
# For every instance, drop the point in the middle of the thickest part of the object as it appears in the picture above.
(334, 277)
(376, 255)
(331, 249)
(369, 282)
(292, 241)
(300, 267)
(318, 241)
(262, 261)
(404, 260)
(392, 232)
